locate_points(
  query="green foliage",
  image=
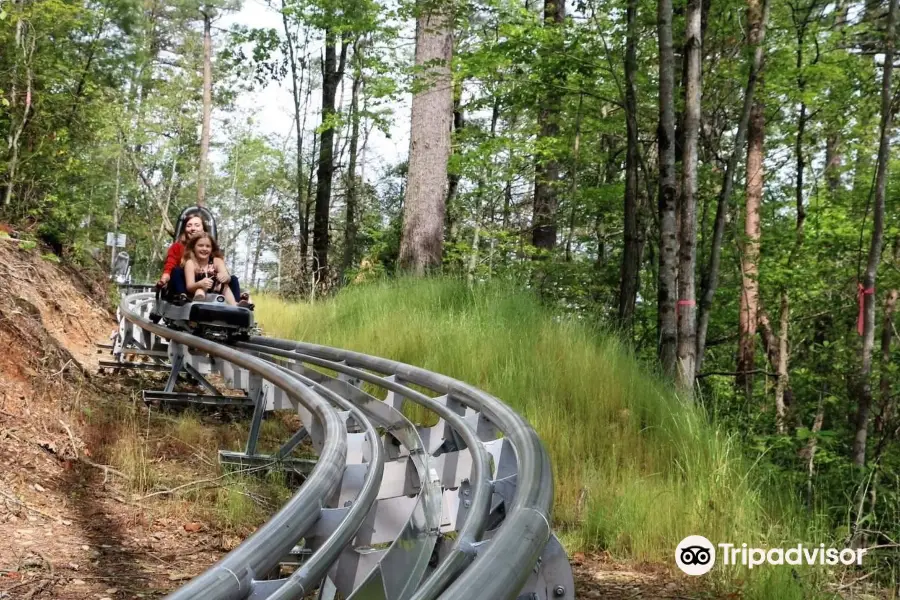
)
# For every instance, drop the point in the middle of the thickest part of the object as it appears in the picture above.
(635, 468)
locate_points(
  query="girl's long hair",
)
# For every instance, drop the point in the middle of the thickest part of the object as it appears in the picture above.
(192, 243)
(183, 239)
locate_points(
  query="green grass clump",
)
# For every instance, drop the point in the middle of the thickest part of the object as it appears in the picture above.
(636, 468)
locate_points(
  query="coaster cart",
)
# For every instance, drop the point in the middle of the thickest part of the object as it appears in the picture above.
(211, 317)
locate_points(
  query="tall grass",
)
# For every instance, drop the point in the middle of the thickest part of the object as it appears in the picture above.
(636, 468)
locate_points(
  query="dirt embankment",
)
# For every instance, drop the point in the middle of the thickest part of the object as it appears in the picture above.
(69, 525)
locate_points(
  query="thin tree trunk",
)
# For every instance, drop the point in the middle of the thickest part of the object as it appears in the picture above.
(16, 130)
(756, 38)
(886, 414)
(331, 78)
(668, 241)
(687, 250)
(350, 226)
(546, 171)
(421, 244)
(573, 188)
(783, 358)
(810, 451)
(207, 107)
(260, 236)
(801, 130)
(459, 121)
(631, 265)
(307, 213)
(864, 385)
(296, 87)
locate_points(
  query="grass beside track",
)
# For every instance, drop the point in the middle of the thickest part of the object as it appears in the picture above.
(635, 468)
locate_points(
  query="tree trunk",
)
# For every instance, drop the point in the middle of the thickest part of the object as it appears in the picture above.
(333, 71)
(421, 244)
(459, 121)
(546, 171)
(749, 300)
(687, 251)
(16, 129)
(350, 226)
(886, 414)
(631, 253)
(260, 237)
(781, 385)
(867, 291)
(207, 107)
(756, 38)
(296, 86)
(668, 241)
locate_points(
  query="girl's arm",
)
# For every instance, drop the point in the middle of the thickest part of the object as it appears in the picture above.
(223, 275)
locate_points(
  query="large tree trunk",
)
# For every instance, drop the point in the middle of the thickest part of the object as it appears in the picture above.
(668, 241)
(749, 301)
(546, 171)
(867, 290)
(631, 255)
(207, 107)
(687, 244)
(711, 278)
(421, 245)
(350, 226)
(331, 78)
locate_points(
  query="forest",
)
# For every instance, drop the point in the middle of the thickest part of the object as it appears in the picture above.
(712, 182)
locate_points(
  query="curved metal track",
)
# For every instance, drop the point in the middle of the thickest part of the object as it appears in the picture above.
(388, 510)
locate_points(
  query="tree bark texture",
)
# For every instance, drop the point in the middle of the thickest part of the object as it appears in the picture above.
(687, 246)
(333, 71)
(207, 108)
(546, 172)
(885, 416)
(668, 241)
(631, 255)
(782, 372)
(867, 289)
(350, 225)
(755, 39)
(421, 244)
(749, 300)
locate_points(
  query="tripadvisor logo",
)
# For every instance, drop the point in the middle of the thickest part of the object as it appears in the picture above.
(696, 555)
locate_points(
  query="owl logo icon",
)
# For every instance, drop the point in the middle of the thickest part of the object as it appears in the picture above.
(695, 555)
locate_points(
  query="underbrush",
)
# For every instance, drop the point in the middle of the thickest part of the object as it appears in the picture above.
(636, 468)
(168, 463)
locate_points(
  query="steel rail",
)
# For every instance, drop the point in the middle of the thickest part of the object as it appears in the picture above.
(462, 552)
(526, 529)
(231, 577)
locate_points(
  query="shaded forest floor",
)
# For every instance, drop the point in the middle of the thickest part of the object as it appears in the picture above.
(88, 473)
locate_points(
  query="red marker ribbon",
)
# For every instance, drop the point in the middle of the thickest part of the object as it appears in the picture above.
(684, 303)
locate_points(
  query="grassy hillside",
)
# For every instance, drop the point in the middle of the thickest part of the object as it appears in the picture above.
(636, 469)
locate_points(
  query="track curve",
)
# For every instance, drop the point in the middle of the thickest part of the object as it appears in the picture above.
(389, 510)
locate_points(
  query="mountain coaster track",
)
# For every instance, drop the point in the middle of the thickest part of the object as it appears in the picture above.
(388, 510)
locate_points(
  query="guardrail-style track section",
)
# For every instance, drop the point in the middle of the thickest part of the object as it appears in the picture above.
(388, 510)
